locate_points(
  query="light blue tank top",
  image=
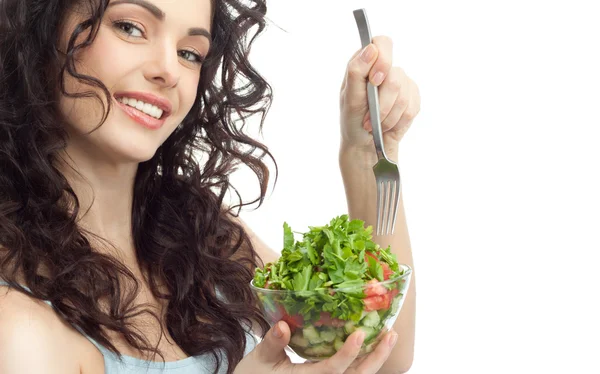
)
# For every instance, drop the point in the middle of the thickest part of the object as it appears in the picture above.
(203, 364)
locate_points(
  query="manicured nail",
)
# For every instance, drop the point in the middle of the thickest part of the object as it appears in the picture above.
(378, 78)
(392, 339)
(367, 53)
(360, 338)
(277, 331)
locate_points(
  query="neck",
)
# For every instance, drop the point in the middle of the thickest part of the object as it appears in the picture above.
(105, 194)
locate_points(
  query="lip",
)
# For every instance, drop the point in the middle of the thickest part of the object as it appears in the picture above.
(142, 118)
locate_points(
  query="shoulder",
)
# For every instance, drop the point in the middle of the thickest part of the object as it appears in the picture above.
(266, 253)
(33, 339)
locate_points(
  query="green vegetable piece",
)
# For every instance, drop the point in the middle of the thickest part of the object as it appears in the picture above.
(320, 350)
(375, 269)
(299, 340)
(338, 343)
(349, 327)
(311, 333)
(328, 335)
(371, 319)
(302, 279)
(370, 332)
(288, 237)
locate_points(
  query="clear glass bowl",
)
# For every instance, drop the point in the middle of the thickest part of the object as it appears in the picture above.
(316, 335)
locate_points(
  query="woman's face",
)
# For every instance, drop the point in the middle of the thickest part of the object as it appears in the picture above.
(148, 54)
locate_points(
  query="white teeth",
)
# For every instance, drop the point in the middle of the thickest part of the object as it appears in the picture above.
(149, 109)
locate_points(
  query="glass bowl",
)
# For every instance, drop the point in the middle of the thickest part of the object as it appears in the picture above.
(320, 322)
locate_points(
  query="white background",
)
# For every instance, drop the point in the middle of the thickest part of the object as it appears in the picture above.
(500, 168)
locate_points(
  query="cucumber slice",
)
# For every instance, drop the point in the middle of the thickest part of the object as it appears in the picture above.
(340, 332)
(371, 319)
(369, 347)
(328, 335)
(320, 350)
(312, 335)
(338, 343)
(350, 327)
(370, 332)
(299, 340)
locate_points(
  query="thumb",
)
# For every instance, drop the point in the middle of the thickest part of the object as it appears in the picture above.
(357, 76)
(271, 348)
(371, 64)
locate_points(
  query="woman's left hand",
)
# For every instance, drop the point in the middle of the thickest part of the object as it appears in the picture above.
(399, 98)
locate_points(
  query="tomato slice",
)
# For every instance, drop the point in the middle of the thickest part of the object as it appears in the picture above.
(374, 288)
(293, 321)
(379, 302)
(376, 302)
(387, 272)
(326, 320)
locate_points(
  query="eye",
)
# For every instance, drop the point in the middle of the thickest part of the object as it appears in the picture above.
(129, 28)
(191, 56)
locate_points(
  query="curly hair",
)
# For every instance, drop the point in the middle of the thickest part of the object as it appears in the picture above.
(186, 239)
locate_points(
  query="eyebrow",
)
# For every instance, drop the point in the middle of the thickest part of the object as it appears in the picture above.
(160, 15)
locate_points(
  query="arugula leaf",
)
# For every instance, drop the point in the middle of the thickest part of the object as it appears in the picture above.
(375, 269)
(302, 279)
(312, 253)
(288, 237)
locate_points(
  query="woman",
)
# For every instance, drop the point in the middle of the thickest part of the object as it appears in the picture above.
(117, 136)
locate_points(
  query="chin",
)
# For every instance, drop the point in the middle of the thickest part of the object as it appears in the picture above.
(127, 152)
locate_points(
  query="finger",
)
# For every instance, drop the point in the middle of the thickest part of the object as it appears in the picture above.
(383, 64)
(339, 362)
(272, 348)
(345, 78)
(408, 115)
(374, 58)
(375, 360)
(394, 94)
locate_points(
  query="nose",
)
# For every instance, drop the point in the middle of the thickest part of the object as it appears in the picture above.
(163, 67)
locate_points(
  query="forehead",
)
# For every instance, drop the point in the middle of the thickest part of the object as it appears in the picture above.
(188, 13)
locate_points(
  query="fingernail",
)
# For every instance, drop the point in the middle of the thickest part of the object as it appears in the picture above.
(378, 78)
(367, 53)
(392, 339)
(360, 338)
(277, 331)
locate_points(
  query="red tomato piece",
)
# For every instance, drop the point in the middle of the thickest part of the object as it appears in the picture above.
(293, 321)
(374, 288)
(387, 272)
(326, 320)
(376, 302)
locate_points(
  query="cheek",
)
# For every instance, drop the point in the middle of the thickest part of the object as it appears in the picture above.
(187, 93)
(103, 60)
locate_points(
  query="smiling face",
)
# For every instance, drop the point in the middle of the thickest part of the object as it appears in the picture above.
(148, 54)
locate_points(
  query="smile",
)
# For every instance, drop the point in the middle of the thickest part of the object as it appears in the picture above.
(146, 109)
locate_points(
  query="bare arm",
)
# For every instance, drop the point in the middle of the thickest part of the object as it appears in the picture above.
(32, 340)
(361, 194)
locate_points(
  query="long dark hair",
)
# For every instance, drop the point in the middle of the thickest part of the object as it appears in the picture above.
(185, 236)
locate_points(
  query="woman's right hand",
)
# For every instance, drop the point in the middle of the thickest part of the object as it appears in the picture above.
(269, 356)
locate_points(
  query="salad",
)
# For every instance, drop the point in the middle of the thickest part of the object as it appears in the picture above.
(332, 282)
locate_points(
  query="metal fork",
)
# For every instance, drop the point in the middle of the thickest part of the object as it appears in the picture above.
(387, 175)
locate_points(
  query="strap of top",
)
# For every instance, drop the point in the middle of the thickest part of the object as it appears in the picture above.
(4, 283)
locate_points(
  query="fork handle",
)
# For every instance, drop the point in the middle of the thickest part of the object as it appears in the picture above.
(360, 15)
